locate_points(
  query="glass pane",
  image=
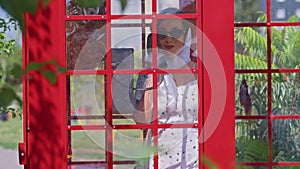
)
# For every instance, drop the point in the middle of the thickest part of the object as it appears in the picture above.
(87, 166)
(249, 10)
(285, 47)
(177, 99)
(187, 6)
(285, 94)
(128, 34)
(132, 7)
(129, 145)
(251, 94)
(123, 94)
(128, 166)
(177, 147)
(85, 42)
(285, 10)
(250, 48)
(251, 167)
(88, 145)
(286, 140)
(251, 140)
(87, 95)
(85, 7)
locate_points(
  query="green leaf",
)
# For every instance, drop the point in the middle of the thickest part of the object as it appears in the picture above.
(89, 3)
(123, 4)
(50, 75)
(17, 8)
(33, 66)
(209, 163)
(7, 95)
(16, 71)
(61, 69)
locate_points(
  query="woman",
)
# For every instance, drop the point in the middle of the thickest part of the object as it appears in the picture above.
(177, 97)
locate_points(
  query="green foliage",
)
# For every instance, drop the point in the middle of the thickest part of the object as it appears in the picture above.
(89, 3)
(246, 10)
(45, 68)
(251, 53)
(17, 8)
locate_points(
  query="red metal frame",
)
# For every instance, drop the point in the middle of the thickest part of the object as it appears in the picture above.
(269, 71)
(47, 126)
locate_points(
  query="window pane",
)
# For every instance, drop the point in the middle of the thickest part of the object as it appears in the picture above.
(250, 48)
(251, 167)
(85, 7)
(286, 140)
(187, 6)
(251, 94)
(132, 7)
(178, 147)
(131, 34)
(285, 47)
(285, 10)
(251, 140)
(87, 95)
(85, 42)
(129, 145)
(88, 145)
(285, 94)
(177, 99)
(249, 10)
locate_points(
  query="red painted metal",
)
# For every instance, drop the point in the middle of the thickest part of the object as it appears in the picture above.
(218, 19)
(44, 106)
(47, 126)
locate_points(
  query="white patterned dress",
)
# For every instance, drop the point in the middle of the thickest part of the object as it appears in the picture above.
(178, 147)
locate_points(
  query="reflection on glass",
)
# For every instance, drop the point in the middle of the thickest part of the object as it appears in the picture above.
(251, 94)
(171, 149)
(251, 167)
(85, 7)
(129, 38)
(248, 10)
(85, 42)
(250, 48)
(285, 94)
(88, 145)
(187, 6)
(87, 95)
(177, 98)
(131, 7)
(123, 94)
(285, 10)
(128, 166)
(251, 140)
(286, 47)
(286, 140)
(129, 145)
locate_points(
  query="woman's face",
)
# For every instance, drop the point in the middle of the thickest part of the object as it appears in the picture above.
(171, 35)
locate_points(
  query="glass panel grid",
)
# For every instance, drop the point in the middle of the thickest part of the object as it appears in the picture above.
(82, 123)
(280, 102)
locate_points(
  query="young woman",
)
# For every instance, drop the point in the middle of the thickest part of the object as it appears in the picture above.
(177, 97)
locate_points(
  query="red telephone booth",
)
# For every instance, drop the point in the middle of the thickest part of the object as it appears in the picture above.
(85, 120)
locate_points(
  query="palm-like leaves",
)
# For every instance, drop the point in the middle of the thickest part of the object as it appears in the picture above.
(251, 53)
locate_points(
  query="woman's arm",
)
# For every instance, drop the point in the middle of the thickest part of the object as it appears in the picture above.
(144, 106)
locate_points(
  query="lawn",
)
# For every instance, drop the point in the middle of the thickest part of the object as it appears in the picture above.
(11, 133)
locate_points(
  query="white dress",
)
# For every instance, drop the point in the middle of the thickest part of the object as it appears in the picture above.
(177, 147)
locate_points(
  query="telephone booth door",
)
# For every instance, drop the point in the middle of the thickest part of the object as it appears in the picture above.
(85, 118)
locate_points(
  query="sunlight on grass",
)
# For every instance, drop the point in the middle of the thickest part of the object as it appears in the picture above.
(11, 133)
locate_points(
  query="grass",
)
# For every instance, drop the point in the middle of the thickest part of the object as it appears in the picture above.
(11, 133)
